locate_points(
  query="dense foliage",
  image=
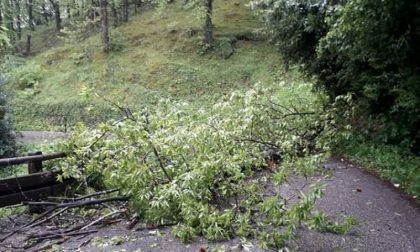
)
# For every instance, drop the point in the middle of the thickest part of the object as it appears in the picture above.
(208, 171)
(399, 166)
(7, 143)
(295, 27)
(364, 48)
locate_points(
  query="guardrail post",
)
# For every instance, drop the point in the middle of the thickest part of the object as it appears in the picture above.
(35, 166)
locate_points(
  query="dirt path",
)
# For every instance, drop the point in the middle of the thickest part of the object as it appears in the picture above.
(388, 221)
(33, 137)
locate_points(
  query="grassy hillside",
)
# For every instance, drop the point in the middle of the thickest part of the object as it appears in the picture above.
(161, 56)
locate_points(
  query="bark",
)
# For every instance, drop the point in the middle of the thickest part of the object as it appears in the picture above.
(114, 14)
(68, 11)
(31, 26)
(208, 25)
(137, 5)
(18, 20)
(28, 44)
(44, 13)
(9, 19)
(104, 26)
(30, 6)
(125, 11)
(1, 12)
(93, 13)
(56, 6)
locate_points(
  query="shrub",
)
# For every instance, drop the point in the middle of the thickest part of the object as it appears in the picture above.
(118, 41)
(26, 76)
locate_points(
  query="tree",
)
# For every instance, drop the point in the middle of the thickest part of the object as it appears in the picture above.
(7, 140)
(204, 10)
(125, 10)
(106, 46)
(208, 23)
(358, 47)
(373, 51)
(9, 20)
(1, 13)
(29, 6)
(45, 13)
(56, 7)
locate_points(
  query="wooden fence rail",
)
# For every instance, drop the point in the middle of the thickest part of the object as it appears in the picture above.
(34, 186)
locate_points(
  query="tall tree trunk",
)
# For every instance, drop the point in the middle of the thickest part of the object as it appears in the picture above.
(208, 25)
(56, 6)
(1, 12)
(9, 20)
(44, 13)
(29, 5)
(68, 11)
(18, 20)
(28, 44)
(125, 11)
(104, 26)
(114, 15)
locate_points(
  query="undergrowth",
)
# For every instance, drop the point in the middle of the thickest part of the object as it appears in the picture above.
(206, 171)
(158, 57)
(398, 165)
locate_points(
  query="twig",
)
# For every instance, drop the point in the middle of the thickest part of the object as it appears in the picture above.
(24, 226)
(53, 236)
(84, 243)
(84, 196)
(49, 245)
(100, 219)
(155, 151)
(48, 218)
(80, 203)
(259, 142)
(65, 206)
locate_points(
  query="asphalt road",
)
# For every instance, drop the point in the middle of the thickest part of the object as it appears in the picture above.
(388, 221)
(31, 137)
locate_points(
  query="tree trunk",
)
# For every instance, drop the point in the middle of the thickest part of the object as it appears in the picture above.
(104, 26)
(208, 25)
(56, 6)
(114, 15)
(28, 44)
(1, 13)
(18, 20)
(125, 11)
(9, 20)
(44, 13)
(29, 5)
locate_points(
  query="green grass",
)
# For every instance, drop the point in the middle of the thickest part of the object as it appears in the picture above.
(158, 60)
